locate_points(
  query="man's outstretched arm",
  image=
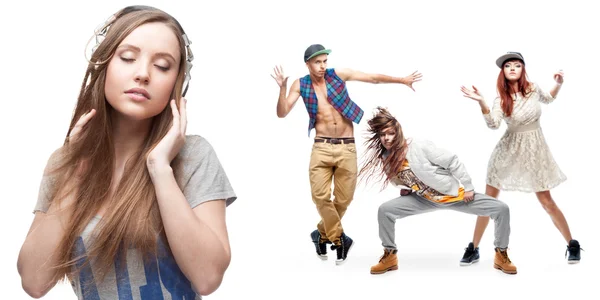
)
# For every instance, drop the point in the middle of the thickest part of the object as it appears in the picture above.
(354, 75)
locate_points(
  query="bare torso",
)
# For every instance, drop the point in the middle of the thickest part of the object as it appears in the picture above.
(329, 122)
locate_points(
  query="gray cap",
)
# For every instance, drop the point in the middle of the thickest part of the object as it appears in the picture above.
(508, 56)
(314, 50)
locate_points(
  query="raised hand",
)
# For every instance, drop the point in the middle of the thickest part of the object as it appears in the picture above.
(412, 78)
(78, 128)
(170, 145)
(559, 76)
(279, 77)
(473, 94)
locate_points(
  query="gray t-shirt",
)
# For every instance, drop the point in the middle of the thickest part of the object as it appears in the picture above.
(203, 180)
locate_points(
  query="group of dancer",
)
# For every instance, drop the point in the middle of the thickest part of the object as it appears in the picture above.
(430, 177)
(133, 207)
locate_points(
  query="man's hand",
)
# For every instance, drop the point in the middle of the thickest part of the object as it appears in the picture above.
(279, 77)
(412, 78)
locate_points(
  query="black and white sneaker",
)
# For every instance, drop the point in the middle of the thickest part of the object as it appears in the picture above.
(343, 249)
(321, 248)
(471, 255)
(574, 251)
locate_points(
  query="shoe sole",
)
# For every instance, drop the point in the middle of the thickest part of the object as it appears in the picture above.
(339, 262)
(392, 268)
(468, 264)
(572, 262)
(496, 266)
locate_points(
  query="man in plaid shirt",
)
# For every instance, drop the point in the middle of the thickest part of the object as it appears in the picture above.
(331, 113)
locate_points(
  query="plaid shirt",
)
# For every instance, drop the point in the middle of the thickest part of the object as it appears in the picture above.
(337, 96)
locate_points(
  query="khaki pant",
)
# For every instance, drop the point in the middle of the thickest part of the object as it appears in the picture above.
(337, 162)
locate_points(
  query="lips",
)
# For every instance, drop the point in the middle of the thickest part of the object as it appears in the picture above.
(138, 94)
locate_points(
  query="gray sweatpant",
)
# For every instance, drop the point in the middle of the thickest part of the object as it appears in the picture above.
(404, 206)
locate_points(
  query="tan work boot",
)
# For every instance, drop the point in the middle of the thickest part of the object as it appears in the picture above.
(503, 263)
(388, 262)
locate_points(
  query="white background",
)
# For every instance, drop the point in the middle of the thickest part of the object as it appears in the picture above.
(232, 102)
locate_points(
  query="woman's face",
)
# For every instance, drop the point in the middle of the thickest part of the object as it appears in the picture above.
(513, 69)
(387, 137)
(141, 74)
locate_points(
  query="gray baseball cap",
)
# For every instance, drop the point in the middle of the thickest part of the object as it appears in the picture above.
(314, 50)
(508, 56)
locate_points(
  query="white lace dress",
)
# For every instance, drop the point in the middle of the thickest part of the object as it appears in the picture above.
(522, 161)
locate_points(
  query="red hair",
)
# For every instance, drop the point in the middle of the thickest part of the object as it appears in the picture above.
(505, 90)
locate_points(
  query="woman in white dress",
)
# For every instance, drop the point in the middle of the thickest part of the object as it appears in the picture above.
(521, 161)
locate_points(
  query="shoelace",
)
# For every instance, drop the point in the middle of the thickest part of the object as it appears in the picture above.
(385, 254)
(339, 248)
(505, 256)
(468, 252)
(569, 250)
(322, 248)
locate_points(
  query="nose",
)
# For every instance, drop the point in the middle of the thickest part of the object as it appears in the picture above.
(142, 75)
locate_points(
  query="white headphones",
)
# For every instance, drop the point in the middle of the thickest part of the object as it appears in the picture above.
(102, 29)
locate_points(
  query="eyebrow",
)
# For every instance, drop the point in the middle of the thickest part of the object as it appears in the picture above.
(137, 49)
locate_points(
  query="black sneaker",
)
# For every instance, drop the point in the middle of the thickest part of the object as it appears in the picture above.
(343, 249)
(320, 247)
(471, 255)
(574, 251)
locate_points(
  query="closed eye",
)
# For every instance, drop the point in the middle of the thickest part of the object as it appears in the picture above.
(164, 69)
(129, 60)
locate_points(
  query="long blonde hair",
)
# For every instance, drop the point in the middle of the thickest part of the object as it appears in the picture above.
(132, 220)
